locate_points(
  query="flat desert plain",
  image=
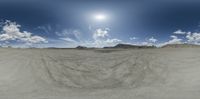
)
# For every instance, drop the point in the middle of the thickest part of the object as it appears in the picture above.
(162, 73)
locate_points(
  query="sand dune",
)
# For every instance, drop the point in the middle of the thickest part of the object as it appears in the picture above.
(99, 74)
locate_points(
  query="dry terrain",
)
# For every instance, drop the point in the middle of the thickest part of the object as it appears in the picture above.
(165, 73)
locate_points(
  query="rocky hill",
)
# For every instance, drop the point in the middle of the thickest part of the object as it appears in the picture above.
(127, 46)
(81, 47)
(181, 46)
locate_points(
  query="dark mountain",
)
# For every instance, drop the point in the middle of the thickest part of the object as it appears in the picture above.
(128, 46)
(181, 46)
(81, 47)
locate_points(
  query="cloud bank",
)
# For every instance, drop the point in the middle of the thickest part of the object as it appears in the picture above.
(179, 32)
(193, 37)
(11, 32)
(100, 37)
(174, 40)
(153, 40)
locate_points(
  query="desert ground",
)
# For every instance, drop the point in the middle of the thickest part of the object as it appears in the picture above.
(162, 73)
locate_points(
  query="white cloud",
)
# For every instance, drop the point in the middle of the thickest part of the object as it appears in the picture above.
(149, 42)
(46, 28)
(101, 43)
(33, 39)
(100, 33)
(153, 40)
(70, 33)
(179, 32)
(146, 44)
(174, 37)
(193, 37)
(174, 40)
(113, 40)
(101, 38)
(133, 38)
(71, 37)
(107, 42)
(11, 32)
(68, 40)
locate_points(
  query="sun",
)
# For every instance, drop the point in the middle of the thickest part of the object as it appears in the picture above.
(100, 17)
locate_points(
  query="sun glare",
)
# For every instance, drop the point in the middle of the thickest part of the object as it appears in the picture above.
(100, 17)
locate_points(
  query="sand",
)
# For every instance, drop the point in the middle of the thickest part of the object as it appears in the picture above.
(165, 73)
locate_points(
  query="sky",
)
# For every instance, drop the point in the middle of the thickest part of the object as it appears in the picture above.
(98, 23)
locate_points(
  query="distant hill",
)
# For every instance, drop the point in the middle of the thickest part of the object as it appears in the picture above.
(127, 46)
(81, 47)
(180, 46)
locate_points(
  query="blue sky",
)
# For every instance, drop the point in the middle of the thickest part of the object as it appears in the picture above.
(68, 23)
